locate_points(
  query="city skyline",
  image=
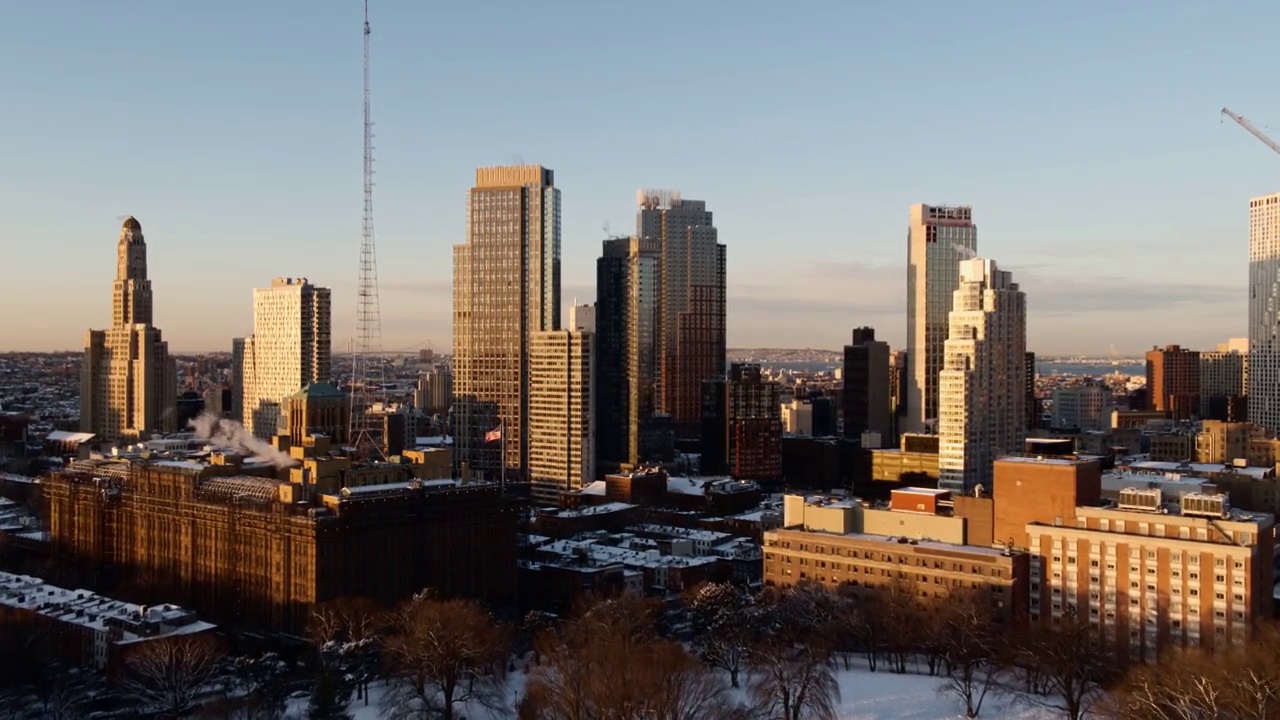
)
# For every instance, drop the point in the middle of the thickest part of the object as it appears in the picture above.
(1112, 118)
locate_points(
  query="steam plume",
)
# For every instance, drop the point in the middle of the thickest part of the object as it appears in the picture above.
(231, 435)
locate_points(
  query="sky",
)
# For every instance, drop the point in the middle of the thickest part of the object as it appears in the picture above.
(1086, 136)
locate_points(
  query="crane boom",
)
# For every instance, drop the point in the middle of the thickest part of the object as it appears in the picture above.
(1252, 130)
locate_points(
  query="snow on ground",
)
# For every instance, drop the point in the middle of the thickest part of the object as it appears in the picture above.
(864, 695)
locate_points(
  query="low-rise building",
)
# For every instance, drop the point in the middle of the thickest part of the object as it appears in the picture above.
(93, 631)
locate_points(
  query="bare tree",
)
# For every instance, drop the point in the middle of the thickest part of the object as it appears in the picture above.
(790, 681)
(168, 673)
(895, 608)
(1073, 661)
(347, 633)
(445, 653)
(723, 621)
(254, 687)
(972, 649)
(1240, 683)
(608, 662)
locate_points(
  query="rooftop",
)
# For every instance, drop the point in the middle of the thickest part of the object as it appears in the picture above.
(902, 541)
(588, 510)
(1256, 473)
(318, 391)
(69, 437)
(1039, 460)
(95, 612)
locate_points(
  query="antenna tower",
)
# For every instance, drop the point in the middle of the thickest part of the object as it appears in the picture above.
(366, 366)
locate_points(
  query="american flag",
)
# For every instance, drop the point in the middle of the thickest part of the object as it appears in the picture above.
(493, 435)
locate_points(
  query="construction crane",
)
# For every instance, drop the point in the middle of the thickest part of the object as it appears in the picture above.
(1252, 130)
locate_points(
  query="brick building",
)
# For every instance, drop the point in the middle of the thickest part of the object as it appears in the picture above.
(256, 552)
(1173, 381)
(1147, 572)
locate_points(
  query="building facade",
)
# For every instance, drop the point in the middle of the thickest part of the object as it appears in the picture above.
(1264, 311)
(691, 302)
(1148, 571)
(1224, 378)
(938, 238)
(257, 553)
(289, 349)
(630, 430)
(866, 404)
(129, 383)
(1035, 411)
(561, 408)
(434, 394)
(1085, 407)
(983, 379)
(506, 286)
(754, 424)
(1173, 381)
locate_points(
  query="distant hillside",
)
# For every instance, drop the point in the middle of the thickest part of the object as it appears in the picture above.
(784, 355)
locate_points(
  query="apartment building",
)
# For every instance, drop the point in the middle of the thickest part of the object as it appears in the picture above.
(1149, 573)
(1173, 381)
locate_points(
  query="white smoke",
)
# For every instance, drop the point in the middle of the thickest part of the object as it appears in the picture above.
(966, 253)
(231, 435)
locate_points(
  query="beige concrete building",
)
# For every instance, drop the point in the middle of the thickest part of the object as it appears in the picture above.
(938, 238)
(290, 348)
(561, 407)
(128, 384)
(916, 541)
(1224, 373)
(983, 401)
(506, 287)
(1085, 407)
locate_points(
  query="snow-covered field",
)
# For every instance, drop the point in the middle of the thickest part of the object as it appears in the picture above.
(864, 695)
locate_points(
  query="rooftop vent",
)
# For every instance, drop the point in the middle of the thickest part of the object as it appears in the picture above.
(1140, 499)
(1205, 505)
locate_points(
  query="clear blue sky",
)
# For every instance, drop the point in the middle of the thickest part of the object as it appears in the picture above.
(1085, 134)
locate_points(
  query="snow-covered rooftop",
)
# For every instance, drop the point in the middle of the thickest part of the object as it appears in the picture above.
(589, 510)
(69, 437)
(95, 612)
(709, 536)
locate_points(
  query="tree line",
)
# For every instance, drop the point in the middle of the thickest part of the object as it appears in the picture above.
(723, 652)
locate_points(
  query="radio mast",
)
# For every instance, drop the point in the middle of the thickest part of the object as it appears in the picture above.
(366, 365)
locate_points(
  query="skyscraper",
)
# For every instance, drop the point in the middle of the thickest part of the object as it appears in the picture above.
(561, 441)
(506, 286)
(983, 383)
(290, 348)
(691, 317)
(627, 367)
(865, 398)
(128, 384)
(938, 238)
(1264, 311)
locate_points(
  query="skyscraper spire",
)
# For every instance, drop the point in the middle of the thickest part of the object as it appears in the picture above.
(368, 341)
